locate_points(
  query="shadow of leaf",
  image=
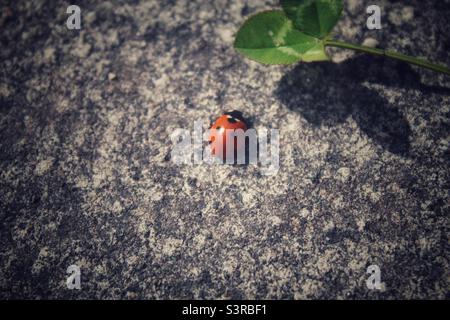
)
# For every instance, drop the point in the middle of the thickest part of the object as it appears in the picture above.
(326, 94)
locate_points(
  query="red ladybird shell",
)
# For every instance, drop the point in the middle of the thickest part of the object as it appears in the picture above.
(229, 121)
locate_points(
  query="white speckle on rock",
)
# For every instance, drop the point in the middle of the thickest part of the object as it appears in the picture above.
(5, 90)
(81, 182)
(49, 54)
(370, 42)
(112, 37)
(343, 174)
(369, 192)
(170, 246)
(199, 240)
(304, 213)
(81, 49)
(248, 198)
(399, 16)
(341, 56)
(226, 34)
(276, 221)
(117, 207)
(229, 266)
(407, 13)
(39, 262)
(353, 5)
(161, 82)
(205, 15)
(90, 17)
(43, 166)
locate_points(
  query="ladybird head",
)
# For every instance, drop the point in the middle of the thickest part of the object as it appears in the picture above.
(235, 116)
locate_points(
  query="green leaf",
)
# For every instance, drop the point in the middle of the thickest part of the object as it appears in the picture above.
(270, 38)
(314, 17)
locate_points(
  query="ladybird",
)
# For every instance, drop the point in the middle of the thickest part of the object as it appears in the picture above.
(232, 120)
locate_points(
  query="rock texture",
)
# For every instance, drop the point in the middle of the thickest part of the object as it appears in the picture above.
(86, 176)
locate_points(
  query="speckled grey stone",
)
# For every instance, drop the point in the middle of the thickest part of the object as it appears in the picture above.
(86, 176)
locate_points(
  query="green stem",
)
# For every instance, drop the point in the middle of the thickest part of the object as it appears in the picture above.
(391, 54)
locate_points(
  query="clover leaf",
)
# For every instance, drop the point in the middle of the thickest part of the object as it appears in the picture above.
(301, 33)
(314, 17)
(270, 38)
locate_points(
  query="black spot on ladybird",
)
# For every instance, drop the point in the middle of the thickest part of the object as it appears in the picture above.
(232, 120)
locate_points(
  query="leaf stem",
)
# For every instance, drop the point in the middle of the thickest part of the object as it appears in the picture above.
(391, 54)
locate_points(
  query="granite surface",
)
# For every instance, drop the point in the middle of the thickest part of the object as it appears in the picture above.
(86, 176)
